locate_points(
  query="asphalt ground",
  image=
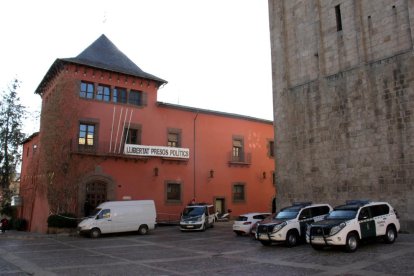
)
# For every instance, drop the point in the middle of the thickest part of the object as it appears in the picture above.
(217, 251)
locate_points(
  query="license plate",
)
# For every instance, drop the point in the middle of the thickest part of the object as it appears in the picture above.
(263, 237)
(190, 226)
(317, 239)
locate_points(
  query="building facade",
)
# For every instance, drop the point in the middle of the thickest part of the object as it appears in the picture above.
(104, 136)
(343, 86)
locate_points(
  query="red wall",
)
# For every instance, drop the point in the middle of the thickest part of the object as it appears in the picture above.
(134, 177)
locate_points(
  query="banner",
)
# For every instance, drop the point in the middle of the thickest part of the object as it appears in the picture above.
(157, 151)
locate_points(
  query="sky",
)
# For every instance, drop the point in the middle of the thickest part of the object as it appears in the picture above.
(215, 54)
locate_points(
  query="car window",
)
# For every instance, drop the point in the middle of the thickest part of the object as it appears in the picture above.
(320, 211)
(379, 210)
(287, 214)
(364, 213)
(241, 218)
(305, 214)
(106, 213)
(259, 217)
(342, 214)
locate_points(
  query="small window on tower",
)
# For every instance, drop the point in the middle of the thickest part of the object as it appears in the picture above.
(338, 18)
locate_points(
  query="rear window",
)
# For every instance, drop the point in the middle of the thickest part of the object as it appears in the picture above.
(259, 216)
(379, 210)
(241, 218)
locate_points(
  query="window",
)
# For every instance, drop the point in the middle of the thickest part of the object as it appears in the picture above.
(305, 214)
(174, 137)
(120, 95)
(103, 93)
(238, 192)
(380, 210)
(320, 211)
(135, 97)
(105, 214)
(271, 149)
(86, 134)
(338, 18)
(173, 191)
(237, 153)
(133, 136)
(86, 90)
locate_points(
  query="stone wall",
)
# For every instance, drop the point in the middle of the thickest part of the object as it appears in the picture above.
(344, 102)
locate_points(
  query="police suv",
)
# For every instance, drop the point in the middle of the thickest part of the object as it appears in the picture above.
(347, 224)
(289, 225)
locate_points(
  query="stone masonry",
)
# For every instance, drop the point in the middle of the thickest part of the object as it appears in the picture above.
(343, 89)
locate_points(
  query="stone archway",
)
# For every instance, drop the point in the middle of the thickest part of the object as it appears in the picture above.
(95, 194)
(93, 190)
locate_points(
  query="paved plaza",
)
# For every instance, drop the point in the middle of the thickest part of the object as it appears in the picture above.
(217, 251)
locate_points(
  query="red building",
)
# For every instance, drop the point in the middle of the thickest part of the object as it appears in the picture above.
(103, 136)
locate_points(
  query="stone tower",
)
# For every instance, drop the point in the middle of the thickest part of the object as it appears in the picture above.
(343, 89)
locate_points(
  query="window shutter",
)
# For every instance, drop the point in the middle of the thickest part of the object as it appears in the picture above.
(144, 99)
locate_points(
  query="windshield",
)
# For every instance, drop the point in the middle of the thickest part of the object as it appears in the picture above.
(193, 211)
(342, 214)
(287, 214)
(95, 212)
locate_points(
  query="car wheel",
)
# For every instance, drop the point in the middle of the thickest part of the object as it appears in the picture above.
(143, 230)
(352, 241)
(239, 233)
(203, 228)
(390, 234)
(291, 238)
(95, 233)
(317, 247)
(266, 243)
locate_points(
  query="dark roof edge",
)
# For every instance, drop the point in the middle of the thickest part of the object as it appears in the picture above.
(213, 112)
(58, 64)
(28, 139)
(145, 75)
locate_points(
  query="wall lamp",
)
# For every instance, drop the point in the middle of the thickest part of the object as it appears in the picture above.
(155, 171)
(211, 173)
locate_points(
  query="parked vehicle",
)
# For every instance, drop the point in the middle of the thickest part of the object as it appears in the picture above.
(120, 216)
(197, 216)
(244, 223)
(289, 225)
(357, 220)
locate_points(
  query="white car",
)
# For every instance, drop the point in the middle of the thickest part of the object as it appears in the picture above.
(357, 220)
(289, 225)
(244, 223)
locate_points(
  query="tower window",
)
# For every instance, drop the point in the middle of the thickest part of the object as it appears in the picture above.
(338, 18)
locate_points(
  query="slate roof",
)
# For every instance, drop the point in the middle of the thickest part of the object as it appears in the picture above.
(101, 54)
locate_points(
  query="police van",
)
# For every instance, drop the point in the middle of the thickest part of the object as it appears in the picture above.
(352, 222)
(289, 225)
(197, 216)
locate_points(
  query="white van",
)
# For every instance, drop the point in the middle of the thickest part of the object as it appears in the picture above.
(120, 216)
(197, 216)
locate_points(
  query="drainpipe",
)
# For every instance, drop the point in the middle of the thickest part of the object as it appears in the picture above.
(194, 166)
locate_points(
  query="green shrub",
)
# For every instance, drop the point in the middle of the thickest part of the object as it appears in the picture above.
(64, 220)
(19, 224)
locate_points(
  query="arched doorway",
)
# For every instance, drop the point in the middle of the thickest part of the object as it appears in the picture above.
(95, 194)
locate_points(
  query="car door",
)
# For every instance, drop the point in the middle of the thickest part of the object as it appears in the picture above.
(380, 215)
(104, 221)
(305, 218)
(366, 223)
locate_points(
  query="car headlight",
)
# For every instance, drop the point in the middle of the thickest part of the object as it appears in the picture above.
(199, 218)
(336, 229)
(279, 226)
